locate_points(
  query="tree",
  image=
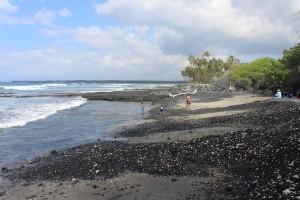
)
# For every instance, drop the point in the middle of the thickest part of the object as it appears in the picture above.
(204, 68)
(261, 74)
(291, 59)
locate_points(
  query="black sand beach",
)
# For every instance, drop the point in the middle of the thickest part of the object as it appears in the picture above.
(250, 154)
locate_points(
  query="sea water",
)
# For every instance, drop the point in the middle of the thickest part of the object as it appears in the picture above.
(34, 120)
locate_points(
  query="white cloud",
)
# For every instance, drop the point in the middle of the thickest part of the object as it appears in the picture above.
(7, 7)
(43, 16)
(192, 26)
(155, 37)
(130, 51)
(65, 12)
(99, 61)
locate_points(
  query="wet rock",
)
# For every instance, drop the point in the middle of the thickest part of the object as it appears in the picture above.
(95, 186)
(2, 193)
(54, 152)
(174, 180)
(4, 169)
(34, 161)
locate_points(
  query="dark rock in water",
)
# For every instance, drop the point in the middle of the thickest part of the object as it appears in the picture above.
(53, 152)
(34, 161)
(130, 96)
(2, 193)
(4, 169)
(95, 186)
(174, 179)
(26, 184)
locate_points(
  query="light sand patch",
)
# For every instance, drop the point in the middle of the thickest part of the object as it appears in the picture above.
(207, 115)
(186, 135)
(126, 187)
(232, 101)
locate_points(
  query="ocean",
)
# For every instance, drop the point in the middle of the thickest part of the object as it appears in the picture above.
(36, 118)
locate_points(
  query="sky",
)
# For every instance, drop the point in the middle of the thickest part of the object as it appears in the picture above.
(136, 39)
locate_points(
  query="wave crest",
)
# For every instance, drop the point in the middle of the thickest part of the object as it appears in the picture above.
(23, 114)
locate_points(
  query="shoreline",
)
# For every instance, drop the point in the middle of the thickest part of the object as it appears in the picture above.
(234, 150)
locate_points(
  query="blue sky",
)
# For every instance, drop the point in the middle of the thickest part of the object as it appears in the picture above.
(136, 39)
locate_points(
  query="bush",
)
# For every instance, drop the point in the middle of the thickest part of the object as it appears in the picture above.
(291, 59)
(261, 74)
(243, 84)
(222, 82)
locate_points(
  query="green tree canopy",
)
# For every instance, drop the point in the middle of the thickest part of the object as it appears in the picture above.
(291, 59)
(204, 68)
(262, 74)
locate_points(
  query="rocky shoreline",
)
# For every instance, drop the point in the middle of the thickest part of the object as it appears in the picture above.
(256, 157)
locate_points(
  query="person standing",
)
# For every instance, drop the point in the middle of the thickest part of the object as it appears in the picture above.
(142, 105)
(188, 101)
(278, 94)
(161, 110)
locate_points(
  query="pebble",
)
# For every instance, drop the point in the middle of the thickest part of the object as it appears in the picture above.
(74, 181)
(296, 176)
(286, 192)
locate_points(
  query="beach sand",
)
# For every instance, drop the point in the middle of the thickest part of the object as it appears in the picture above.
(125, 186)
(226, 102)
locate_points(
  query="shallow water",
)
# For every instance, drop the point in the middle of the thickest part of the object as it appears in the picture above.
(88, 122)
(32, 124)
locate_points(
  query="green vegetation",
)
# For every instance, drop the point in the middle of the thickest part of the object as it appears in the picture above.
(261, 74)
(291, 59)
(204, 68)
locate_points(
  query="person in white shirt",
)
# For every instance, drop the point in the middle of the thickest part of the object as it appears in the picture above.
(278, 94)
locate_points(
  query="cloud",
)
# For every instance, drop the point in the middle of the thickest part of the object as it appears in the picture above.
(130, 51)
(43, 16)
(151, 39)
(65, 12)
(131, 59)
(6, 7)
(240, 27)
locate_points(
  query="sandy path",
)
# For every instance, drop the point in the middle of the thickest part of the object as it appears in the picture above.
(207, 115)
(128, 186)
(186, 135)
(232, 101)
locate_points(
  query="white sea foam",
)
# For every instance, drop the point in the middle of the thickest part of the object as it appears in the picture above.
(32, 87)
(20, 111)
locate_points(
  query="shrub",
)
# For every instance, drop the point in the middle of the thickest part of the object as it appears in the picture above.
(222, 82)
(262, 74)
(243, 84)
